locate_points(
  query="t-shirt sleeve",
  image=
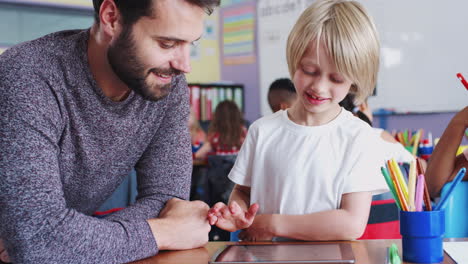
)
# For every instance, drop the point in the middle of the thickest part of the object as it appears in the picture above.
(401, 154)
(365, 162)
(241, 172)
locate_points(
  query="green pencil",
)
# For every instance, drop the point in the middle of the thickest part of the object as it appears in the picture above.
(391, 186)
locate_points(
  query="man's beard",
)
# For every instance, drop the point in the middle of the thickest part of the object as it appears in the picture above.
(123, 59)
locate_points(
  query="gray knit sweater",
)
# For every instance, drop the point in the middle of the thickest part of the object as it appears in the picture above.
(65, 147)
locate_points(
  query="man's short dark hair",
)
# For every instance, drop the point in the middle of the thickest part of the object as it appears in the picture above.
(132, 10)
(283, 84)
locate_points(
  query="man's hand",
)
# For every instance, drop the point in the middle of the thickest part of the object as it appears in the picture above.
(3, 253)
(233, 217)
(181, 225)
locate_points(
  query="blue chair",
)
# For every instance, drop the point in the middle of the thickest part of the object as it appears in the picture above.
(234, 236)
(456, 211)
(124, 195)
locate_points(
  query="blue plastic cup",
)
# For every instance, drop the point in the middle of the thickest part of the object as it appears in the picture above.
(422, 236)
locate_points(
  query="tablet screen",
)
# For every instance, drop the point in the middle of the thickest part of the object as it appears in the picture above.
(285, 253)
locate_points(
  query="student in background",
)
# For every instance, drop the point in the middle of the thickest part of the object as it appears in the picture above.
(198, 138)
(444, 164)
(197, 134)
(281, 94)
(226, 132)
(389, 145)
(310, 171)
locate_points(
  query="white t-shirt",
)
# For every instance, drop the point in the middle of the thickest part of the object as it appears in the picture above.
(295, 169)
(393, 150)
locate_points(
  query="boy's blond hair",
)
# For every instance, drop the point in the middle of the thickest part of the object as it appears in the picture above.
(350, 37)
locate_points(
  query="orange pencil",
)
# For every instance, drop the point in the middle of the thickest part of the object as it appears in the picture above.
(404, 204)
(427, 198)
(401, 179)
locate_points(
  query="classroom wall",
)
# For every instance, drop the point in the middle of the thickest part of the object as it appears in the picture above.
(430, 122)
(241, 67)
(205, 55)
(20, 23)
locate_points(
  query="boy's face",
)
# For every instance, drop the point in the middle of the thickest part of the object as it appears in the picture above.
(148, 54)
(320, 87)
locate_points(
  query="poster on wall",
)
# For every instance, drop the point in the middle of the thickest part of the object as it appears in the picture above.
(275, 20)
(239, 35)
(79, 4)
(225, 3)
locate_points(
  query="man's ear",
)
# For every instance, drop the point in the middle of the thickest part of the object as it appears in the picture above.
(284, 106)
(109, 18)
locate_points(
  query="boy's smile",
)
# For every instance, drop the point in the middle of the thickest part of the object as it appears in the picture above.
(320, 87)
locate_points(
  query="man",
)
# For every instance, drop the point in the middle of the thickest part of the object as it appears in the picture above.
(281, 94)
(79, 110)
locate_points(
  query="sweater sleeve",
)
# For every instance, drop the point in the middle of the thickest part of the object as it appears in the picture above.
(164, 170)
(37, 225)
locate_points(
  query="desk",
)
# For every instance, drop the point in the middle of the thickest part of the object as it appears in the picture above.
(365, 252)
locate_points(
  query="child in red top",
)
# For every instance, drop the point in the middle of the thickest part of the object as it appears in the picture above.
(196, 132)
(226, 133)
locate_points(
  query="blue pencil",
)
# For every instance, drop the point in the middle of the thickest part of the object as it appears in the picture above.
(443, 200)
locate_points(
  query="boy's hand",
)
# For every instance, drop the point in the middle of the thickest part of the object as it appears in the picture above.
(231, 218)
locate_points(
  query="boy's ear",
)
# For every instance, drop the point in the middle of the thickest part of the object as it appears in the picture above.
(109, 18)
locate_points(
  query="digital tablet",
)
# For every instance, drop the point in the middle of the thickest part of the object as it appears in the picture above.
(284, 253)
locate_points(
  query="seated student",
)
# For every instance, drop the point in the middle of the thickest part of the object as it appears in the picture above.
(444, 164)
(198, 137)
(197, 134)
(281, 94)
(310, 171)
(225, 133)
(392, 148)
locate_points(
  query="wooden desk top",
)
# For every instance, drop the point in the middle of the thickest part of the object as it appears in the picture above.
(365, 252)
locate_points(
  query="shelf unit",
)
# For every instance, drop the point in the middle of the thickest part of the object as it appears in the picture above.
(205, 97)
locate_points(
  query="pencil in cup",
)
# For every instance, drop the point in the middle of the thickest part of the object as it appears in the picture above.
(443, 200)
(389, 181)
(427, 198)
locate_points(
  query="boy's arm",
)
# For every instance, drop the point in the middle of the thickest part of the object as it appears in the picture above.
(443, 164)
(346, 223)
(241, 195)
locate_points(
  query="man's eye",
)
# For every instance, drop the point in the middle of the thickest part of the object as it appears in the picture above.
(167, 44)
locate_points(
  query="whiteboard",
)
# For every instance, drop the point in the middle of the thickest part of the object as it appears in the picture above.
(424, 43)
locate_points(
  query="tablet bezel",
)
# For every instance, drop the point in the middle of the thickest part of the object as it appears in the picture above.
(345, 250)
